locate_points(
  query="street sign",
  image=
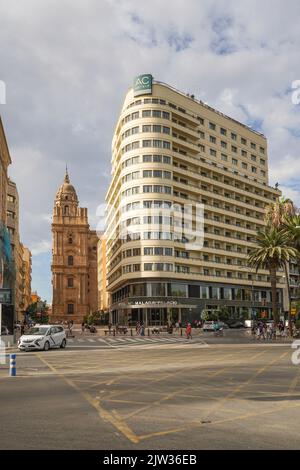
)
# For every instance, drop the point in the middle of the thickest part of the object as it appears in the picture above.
(5, 296)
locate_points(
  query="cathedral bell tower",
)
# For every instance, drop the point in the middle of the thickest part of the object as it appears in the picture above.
(74, 258)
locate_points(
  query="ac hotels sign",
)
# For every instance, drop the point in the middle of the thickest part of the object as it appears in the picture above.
(142, 85)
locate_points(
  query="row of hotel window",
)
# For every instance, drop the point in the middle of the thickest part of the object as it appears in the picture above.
(147, 174)
(146, 128)
(212, 139)
(176, 289)
(212, 126)
(147, 159)
(157, 143)
(149, 188)
(131, 268)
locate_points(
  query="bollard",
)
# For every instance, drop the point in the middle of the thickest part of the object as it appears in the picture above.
(12, 365)
(148, 332)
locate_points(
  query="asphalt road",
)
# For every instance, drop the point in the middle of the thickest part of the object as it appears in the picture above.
(155, 396)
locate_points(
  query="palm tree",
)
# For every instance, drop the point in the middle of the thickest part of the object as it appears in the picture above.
(292, 226)
(278, 211)
(274, 249)
(277, 214)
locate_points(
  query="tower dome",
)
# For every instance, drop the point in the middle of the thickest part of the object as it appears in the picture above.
(66, 192)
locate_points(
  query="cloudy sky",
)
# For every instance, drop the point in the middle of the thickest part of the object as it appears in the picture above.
(68, 63)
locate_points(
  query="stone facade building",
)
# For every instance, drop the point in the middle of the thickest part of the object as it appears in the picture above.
(74, 258)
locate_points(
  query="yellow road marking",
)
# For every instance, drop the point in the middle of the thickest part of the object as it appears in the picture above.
(104, 414)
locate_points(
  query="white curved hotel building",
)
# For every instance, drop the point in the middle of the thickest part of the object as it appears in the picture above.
(187, 196)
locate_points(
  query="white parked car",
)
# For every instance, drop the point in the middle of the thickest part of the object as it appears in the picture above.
(43, 337)
(208, 326)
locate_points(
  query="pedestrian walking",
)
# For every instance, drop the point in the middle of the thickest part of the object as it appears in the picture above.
(188, 331)
(82, 327)
(142, 330)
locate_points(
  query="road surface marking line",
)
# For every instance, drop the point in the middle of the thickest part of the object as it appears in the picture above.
(219, 406)
(166, 376)
(173, 393)
(118, 423)
(294, 382)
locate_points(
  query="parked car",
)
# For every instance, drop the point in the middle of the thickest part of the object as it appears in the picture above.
(4, 331)
(43, 337)
(208, 326)
(236, 323)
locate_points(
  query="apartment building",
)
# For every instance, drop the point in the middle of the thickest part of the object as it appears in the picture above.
(101, 260)
(175, 160)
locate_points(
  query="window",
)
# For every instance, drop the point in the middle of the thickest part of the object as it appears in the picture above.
(262, 150)
(212, 152)
(146, 113)
(224, 157)
(147, 173)
(166, 130)
(165, 115)
(70, 309)
(212, 139)
(253, 158)
(243, 141)
(70, 260)
(253, 169)
(146, 143)
(234, 161)
(178, 290)
(70, 282)
(234, 149)
(147, 158)
(253, 146)
(223, 131)
(262, 161)
(156, 128)
(244, 153)
(212, 126)
(233, 136)
(147, 128)
(157, 143)
(244, 166)
(223, 144)
(156, 113)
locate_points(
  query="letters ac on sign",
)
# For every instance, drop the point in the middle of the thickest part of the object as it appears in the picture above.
(142, 85)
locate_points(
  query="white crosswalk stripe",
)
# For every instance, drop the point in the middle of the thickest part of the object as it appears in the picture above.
(130, 341)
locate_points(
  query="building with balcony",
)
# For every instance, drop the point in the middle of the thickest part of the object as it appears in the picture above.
(187, 196)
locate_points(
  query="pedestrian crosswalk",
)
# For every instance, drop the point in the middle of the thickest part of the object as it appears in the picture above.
(115, 341)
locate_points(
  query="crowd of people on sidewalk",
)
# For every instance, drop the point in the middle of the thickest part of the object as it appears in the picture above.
(267, 330)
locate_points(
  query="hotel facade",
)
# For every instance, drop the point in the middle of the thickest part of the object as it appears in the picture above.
(187, 196)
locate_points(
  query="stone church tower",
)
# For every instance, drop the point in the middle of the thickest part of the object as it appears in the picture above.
(74, 258)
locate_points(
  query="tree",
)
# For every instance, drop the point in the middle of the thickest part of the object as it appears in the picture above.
(279, 214)
(278, 211)
(36, 316)
(274, 249)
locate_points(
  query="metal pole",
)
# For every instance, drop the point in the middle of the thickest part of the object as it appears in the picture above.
(12, 365)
